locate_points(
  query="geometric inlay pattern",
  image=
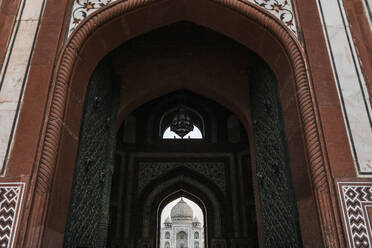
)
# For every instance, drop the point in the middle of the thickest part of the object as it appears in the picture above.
(11, 195)
(281, 9)
(88, 215)
(148, 171)
(356, 198)
(278, 208)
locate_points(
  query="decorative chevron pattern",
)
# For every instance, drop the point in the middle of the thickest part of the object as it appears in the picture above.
(11, 195)
(356, 198)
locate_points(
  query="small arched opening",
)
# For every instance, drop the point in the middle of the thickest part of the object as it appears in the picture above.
(182, 122)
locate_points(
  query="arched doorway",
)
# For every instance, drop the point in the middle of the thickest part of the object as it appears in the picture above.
(152, 171)
(286, 77)
(189, 56)
(181, 240)
(181, 215)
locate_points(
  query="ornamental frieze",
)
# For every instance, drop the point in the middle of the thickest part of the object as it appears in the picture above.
(149, 171)
(281, 9)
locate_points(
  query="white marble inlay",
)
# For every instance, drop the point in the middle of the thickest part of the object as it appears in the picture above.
(7, 113)
(282, 9)
(15, 69)
(368, 9)
(17, 63)
(350, 83)
(31, 10)
(83, 8)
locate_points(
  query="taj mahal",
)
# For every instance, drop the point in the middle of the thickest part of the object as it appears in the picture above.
(182, 229)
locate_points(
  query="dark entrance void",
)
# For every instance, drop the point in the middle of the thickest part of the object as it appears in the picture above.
(239, 169)
(214, 171)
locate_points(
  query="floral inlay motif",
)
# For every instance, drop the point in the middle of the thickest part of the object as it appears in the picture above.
(282, 9)
(82, 8)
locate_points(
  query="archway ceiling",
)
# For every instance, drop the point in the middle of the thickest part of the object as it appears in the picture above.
(281, 9)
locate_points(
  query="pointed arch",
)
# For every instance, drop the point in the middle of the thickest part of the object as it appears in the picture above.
(205, 195)
(97, 32)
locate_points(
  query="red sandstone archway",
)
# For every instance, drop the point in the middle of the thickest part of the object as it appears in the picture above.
(111, 26)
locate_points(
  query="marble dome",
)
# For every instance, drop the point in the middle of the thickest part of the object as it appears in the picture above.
(182, 212)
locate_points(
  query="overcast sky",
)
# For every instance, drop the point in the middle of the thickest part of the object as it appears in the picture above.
(194, 134)
(197, 211)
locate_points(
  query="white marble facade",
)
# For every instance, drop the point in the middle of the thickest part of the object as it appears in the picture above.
(182, 229)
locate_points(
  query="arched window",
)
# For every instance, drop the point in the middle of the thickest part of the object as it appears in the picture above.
(194, 134)
(181, 122)
(196, 235)
(181, 239)
(167, 244)
(196, 244)
(167, 235)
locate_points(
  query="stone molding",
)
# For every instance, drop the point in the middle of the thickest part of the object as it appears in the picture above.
(322, 186)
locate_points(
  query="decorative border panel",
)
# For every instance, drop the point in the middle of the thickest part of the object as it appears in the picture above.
(11, 196)
(282, 9)
(356, 198)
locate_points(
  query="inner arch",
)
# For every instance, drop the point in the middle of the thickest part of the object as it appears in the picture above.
(265, 33)
(182, 225)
